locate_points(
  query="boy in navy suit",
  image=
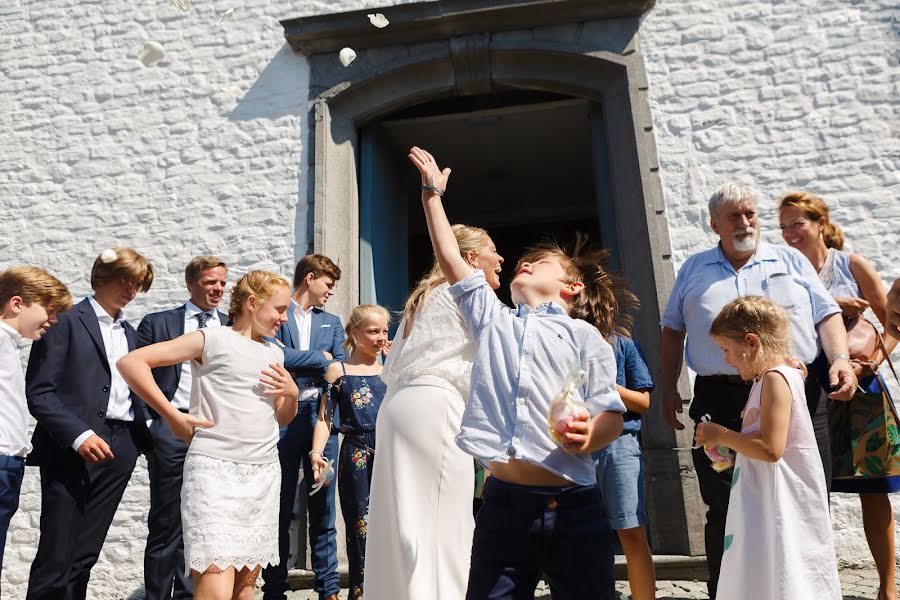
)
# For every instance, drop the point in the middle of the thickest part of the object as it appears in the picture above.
(164, 574)
(30, 298)
(90, 427)
(312, 339)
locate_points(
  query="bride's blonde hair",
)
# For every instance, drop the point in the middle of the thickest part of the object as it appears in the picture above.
(470, 239)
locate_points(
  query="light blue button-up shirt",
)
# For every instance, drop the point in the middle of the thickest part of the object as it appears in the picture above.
(707, 282)
(522, 358)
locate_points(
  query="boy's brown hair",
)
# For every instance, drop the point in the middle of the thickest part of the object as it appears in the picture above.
(34, 284)
(318, 265)
(201, 263)
(605, 302)
(127, 266)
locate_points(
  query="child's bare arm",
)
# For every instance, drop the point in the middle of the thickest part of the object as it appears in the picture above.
(446, 248)
(593, 434)
(280, 384)
(768, 444)
(135, 368)
(323, 426)
(637, 401)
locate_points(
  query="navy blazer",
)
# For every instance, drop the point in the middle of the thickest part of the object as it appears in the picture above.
(161, 327)
(67, 385)
(326, 335)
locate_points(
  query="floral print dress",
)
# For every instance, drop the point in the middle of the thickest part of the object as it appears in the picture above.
(357, 399)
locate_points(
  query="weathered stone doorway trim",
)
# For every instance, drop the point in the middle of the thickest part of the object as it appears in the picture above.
(598, 60)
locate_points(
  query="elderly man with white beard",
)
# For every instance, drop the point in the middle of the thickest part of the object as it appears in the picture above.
(742, 265)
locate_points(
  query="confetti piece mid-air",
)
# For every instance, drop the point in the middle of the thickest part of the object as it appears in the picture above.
(347, 56)
(151, 54)
(225, 15)
(182, 5)
(378, 20)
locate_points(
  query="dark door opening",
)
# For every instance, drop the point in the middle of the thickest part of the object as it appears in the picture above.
(525, 167)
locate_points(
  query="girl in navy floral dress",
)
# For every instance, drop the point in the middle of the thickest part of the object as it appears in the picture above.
(355, 389)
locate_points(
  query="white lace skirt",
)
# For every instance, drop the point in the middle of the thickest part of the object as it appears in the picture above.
(229, 513)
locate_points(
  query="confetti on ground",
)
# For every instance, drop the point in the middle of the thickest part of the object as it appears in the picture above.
(347, 56)
(151, 54)
(378, 20)
(225, 15)
(182, 5)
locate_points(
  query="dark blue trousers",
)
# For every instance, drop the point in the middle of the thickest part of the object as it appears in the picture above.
(12, 470)
(78, 503)
(293, 451)
(354, 480)
(522, 532)
(164, 576)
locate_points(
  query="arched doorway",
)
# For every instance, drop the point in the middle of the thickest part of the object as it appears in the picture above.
(584, 80)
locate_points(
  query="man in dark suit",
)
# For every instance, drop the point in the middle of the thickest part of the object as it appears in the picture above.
(90, 428)
(164, 575)
(312, 338)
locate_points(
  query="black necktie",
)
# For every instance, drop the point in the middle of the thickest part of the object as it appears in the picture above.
(202, 318)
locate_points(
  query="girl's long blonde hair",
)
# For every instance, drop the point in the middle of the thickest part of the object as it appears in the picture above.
(357, 316)
(470, 239)
(763, 318)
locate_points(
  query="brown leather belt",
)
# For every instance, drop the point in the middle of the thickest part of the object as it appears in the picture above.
(729, 379)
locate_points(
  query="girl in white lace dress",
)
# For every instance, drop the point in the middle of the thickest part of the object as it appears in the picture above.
(240, 395)
(420, 511)
(778, 541)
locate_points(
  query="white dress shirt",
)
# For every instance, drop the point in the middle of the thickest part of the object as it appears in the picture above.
(303, 318)
(182, 398)
(115, 343)
(13, 406)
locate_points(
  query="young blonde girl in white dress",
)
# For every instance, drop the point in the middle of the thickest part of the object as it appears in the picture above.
(232, 477)
(778, 539)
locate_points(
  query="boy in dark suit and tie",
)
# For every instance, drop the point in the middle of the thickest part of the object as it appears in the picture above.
(164, 574)
(312, 339)
(90, 427)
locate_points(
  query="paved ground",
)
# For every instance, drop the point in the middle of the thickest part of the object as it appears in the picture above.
(856, 584)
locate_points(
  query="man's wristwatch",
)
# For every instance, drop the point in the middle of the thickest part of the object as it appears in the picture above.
(836, 356)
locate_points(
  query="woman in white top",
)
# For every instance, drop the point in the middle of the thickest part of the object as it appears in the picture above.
(232, 477)
(855, 285)
(420, 510)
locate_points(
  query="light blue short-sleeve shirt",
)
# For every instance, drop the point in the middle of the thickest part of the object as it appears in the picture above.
(522, 358)
(707, 282)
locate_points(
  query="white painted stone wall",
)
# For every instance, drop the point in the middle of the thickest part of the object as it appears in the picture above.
(781, 95)
(202, 152)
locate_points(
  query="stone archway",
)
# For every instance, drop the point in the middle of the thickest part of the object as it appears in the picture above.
(461, 52)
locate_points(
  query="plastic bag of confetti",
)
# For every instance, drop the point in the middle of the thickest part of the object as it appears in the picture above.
(564, 408)
(324, 477)
(721, 456)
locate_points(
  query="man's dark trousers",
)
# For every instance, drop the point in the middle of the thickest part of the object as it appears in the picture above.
(164, 554)
(724, 401)
(293, 451)
(78, 503)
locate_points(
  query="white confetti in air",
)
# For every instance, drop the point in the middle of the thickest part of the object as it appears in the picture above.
(182, 5)
(347, 56)
(378, 20)
(225, 15)
(151, 54)
(109, 255)
(235, 91)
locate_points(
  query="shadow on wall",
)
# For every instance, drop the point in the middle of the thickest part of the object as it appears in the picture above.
(282, 90)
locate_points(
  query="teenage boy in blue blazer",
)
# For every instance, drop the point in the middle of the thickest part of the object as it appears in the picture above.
(312, 339)
(90, 427)
(164, 574)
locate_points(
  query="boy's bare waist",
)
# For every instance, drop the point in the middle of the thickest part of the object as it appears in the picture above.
(527, 473)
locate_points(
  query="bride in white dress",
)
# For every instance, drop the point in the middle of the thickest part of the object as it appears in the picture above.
(420, 509)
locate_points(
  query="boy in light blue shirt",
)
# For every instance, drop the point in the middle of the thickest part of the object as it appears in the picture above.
(542, 512)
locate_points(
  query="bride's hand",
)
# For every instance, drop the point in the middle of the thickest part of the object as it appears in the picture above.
(431, 174)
